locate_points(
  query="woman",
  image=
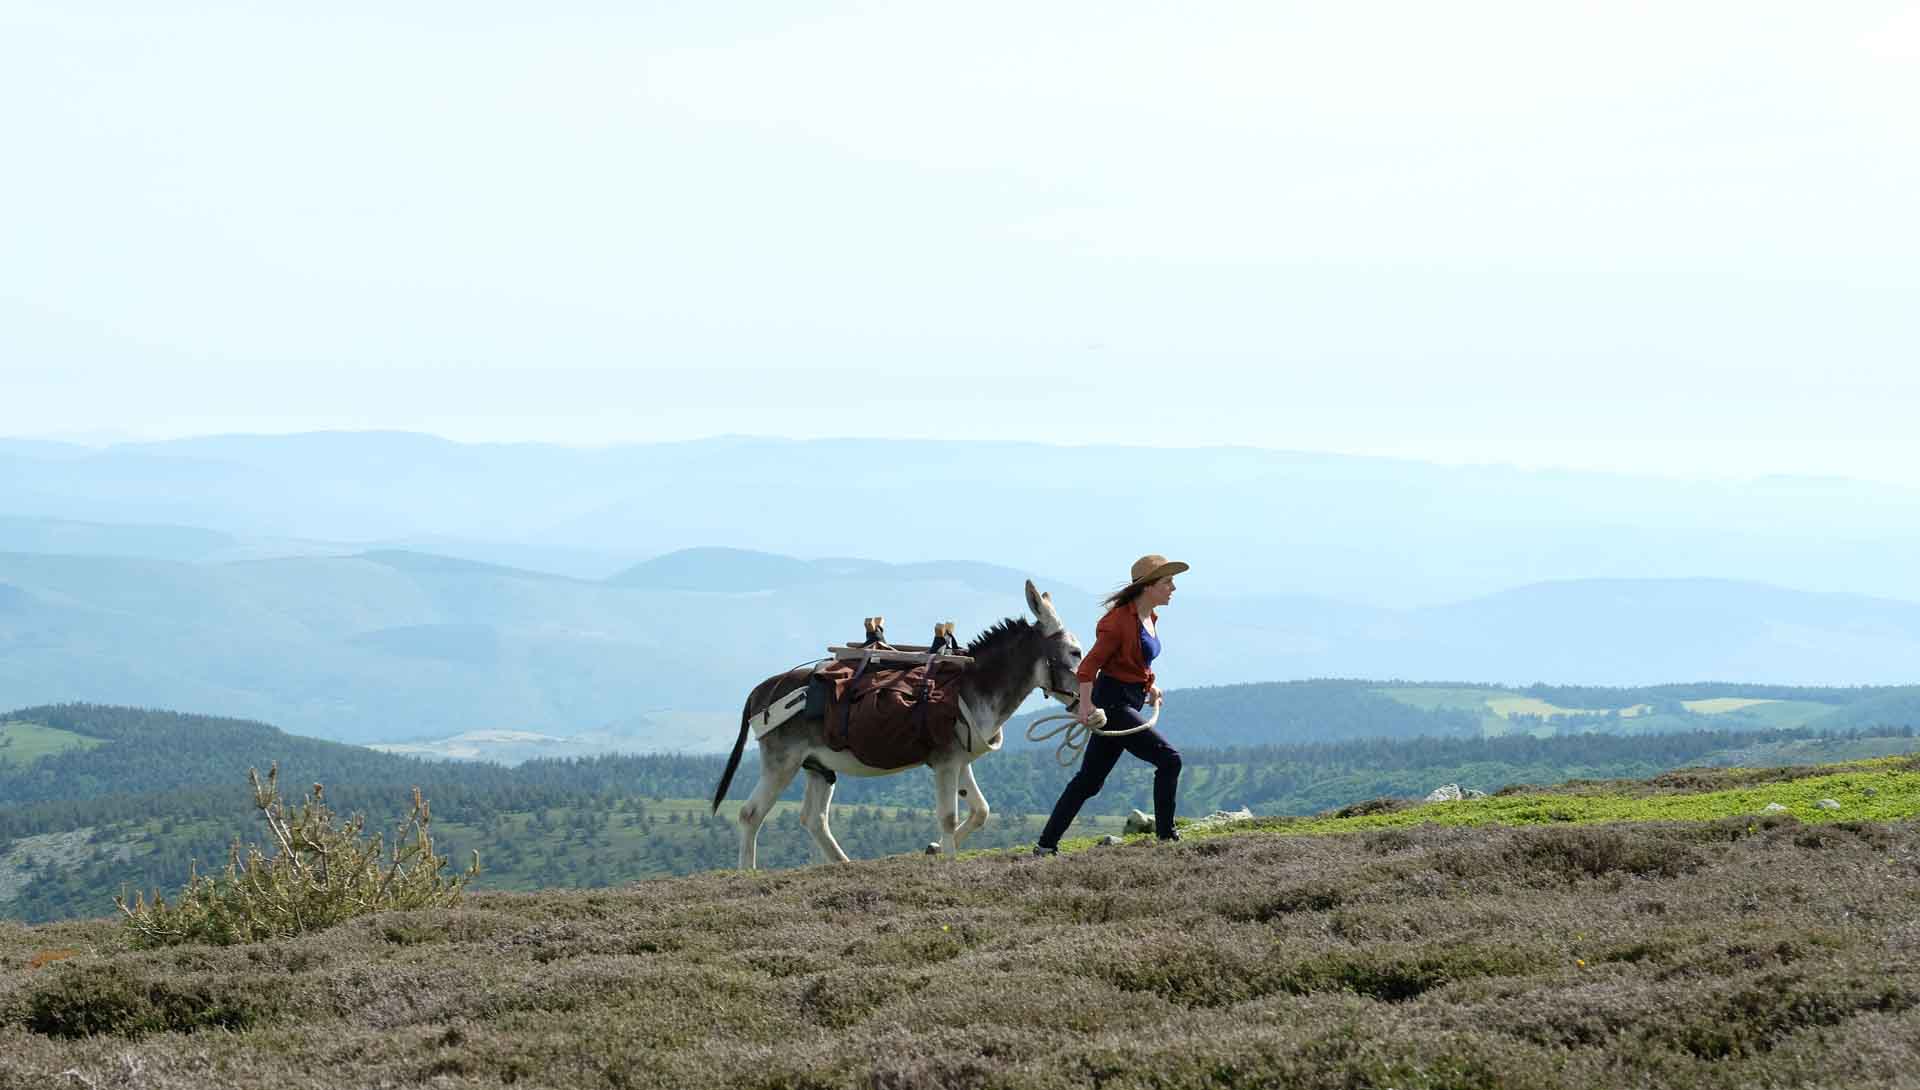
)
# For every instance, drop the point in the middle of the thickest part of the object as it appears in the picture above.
(1117, 677)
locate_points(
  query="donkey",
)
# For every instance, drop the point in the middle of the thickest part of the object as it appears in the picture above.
(1011, 659)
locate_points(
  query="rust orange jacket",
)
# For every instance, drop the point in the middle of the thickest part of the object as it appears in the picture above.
(1116, 649)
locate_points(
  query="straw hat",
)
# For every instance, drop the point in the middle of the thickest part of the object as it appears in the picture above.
(1153, 567)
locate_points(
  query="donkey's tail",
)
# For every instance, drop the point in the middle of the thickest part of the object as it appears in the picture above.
(733, 762)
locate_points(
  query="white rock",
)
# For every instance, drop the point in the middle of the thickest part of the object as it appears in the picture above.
(1828, 804)
(1138, 822)
(1110, 840)
(1221, 817)
(1773, 808)
(1446, 792)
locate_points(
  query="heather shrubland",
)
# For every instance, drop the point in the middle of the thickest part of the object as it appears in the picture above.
(1734, 950)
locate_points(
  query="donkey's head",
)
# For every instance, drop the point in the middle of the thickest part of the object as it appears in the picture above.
(1015, 657)
(1059, 651)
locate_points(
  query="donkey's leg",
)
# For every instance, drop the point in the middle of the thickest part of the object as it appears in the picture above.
(813, 814)
(778, 765)
(977, 808)
(946, 803)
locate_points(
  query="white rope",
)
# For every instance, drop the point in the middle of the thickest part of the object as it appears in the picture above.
(1078, 732)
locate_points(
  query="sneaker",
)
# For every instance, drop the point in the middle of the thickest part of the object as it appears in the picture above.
(1041, 851)
(1170, 838)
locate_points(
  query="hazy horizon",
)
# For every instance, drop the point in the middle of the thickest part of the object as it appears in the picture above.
(1894, 463)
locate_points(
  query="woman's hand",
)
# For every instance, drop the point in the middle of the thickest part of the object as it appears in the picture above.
(1082, 712)
(1154, 694)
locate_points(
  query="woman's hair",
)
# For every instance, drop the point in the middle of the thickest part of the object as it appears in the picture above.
(1126, 595)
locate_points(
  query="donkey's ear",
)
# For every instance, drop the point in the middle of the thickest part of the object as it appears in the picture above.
(1042, 607)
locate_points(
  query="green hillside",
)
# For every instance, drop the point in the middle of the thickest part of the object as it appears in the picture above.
(1333, 709)
(1665, 933)
(157, 792)
(1534, 710)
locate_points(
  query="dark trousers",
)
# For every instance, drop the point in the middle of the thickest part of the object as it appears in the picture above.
(1123, 702)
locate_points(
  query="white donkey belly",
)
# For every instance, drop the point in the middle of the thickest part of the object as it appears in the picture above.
(844, 762)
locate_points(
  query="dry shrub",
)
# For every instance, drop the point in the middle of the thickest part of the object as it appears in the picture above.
(1845, 834)
(1312, 896)
(1387, 841)
(1190, 972)
(1076, 907)
(1659, 949)
(841, 999)
(934, 1073)
(779, 964)
(1385, 804)
(121, 999)
(48, 957)
(1731, 829)
(322, 873)
(1755, 1017)
(1350, 1058)
(1543, 857)
(853, 900)
(1592, 852)
(918, 944)
(1691, 780)
(1202, 972)
(1394, 974)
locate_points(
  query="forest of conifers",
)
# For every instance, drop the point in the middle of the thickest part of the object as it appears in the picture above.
(167, 790)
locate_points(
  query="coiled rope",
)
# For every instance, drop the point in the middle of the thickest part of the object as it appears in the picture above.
(1077, 732)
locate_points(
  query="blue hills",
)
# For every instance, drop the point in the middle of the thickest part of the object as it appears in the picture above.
(391, 645)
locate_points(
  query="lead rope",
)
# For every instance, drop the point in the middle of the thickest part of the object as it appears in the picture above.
(1077, 732)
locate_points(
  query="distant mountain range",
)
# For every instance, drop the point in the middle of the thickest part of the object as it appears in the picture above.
(391, 645)
(399, 588)
(1252, 522)
(396, 646)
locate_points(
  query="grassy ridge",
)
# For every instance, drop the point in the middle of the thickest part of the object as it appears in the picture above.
(601, 822)
(1726, 951)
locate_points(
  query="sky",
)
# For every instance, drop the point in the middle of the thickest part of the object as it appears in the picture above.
(1675, 237)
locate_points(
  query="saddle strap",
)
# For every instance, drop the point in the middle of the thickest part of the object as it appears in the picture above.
(846, 702)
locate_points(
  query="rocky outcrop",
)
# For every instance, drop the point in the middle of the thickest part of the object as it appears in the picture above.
(1453, 792)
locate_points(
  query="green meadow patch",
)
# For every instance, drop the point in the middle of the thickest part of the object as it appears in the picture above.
(1881, 790)
(1544, 713)
(1869, 796)
(1721, 704)
(23, 743)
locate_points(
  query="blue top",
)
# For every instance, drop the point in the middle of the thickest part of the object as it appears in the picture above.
(1149, 645)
